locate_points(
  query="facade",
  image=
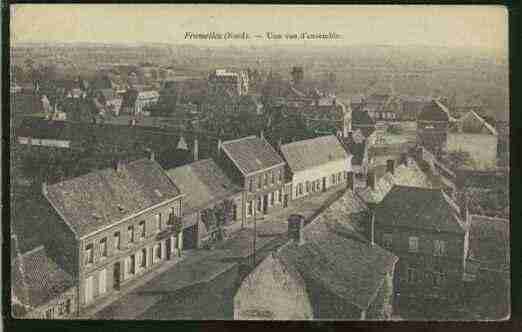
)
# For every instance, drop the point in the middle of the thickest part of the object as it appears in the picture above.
(255, 166)
(412, 106)
(116, 225)
(381, 107)
(41, 289)
(326, 271)
(432, 127)
(429, 233)
(144, 100)
(221, 81)
(316, 165)
(207, 188)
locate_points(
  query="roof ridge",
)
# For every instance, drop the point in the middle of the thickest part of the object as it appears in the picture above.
(238, 139)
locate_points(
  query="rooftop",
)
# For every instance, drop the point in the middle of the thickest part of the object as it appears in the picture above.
(41, 278)
(420, 208)
(101, 198)
(251, 154)
(339, 258)
(313, 152)
(204, 183)
(435, 111)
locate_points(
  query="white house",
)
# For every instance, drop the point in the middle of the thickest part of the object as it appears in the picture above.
(316, 165)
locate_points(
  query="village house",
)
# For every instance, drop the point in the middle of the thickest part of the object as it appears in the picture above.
(258, 169)
(429, 233)
(316, 165)
(357, 145)
(380, 107)
(40, 288)
(207, 188)
(115, 225)
(412, 106)
(221, 81)
(327, 270)
(136, 102)
(432, 127)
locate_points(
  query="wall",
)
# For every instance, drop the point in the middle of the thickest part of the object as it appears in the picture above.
(317, 173)
(70, 294)
(114, 255)
(270, 292)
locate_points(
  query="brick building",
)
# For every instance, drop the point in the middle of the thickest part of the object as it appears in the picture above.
(316, 165)
(429, 233)
(257, 168)
(115, 225)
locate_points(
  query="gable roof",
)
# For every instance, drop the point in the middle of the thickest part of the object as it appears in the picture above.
(204, 183)
(102, 198)
(434, 111)
(409, 175)
(40, 276)
(313, 152)
(338, 257)
(251, 154)
(489, 242)
(419, 208)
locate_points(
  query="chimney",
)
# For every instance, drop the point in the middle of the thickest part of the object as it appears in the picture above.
(370, 180)
(44, 188)
(390, 166)
(196, 149)
(350, 181)
(295, 228)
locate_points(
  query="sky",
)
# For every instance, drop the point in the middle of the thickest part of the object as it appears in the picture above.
(449, 26)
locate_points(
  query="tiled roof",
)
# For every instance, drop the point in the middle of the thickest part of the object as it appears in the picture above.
(42, 278)
(489, 242)
(251, 154)
(313, 152)
(421, 208)
(434, 111)
(204, 182)
(409, 175)
(337, 257)
(98, 199)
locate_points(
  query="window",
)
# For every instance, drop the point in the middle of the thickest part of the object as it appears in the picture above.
(259, 182)
(387, 241)
(266, 179)
(333, 179)
(307, 186)
(413, 243)
(412, 274)
(318, 185)
(117, 242)
(438, 278)
(143, 258)
(339, 177)
(250, 209)
(272, 175)
(131, 265)
(440, 247)
(259, 203)
(176, 210)
(89, 289)
(251, 184)
(142, 229)
(157, 252)
(280, 176)
(103, 281)
(130, 234)
(103, 247)
(300, 187)
(49, 313)
(89, 253)
(68, 306)
(280, 195)
(276, 196)
(272, 197)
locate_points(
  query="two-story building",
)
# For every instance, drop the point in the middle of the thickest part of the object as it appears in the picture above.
(433, 126)
(115, 225)
(207, 187)
(258, 169)
(429, 233)
(316, 165)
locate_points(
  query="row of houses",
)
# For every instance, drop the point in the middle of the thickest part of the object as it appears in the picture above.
(115, 225)
(399, 244)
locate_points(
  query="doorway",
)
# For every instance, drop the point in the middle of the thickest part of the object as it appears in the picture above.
(116, 276)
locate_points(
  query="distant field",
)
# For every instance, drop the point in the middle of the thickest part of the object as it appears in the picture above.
(483, 148)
